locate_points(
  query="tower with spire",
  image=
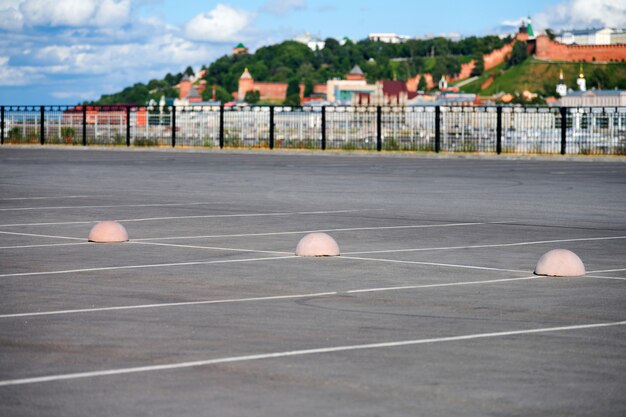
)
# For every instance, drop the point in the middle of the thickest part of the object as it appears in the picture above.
(561, 88)
(529, 29)
(582, 83)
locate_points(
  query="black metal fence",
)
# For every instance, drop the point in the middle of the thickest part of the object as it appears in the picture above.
(511, 130)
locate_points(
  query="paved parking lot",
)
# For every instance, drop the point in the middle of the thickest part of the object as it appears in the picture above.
(432, 308)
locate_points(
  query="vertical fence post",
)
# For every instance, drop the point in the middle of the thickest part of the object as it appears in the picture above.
(499, 130)
(127, 125)
(221, 126)
(272, 127)
(173, 126)
(42, 125)
(379, 128)
(1, 125)
(437, 129)
(563, 129)
(323, 128)
(84, 110)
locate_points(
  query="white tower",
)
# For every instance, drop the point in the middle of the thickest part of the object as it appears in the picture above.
(582, 83)
(443, 83)
(561, 88)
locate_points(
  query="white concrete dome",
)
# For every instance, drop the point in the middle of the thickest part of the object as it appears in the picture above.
(108, 232)
(560, 263)
(317, 244)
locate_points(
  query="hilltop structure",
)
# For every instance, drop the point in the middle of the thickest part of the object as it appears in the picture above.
(188, 93)
(594, 98)
(313, 42)
(582, 83)
(268, 91)
(601, 36)
(388, 37)
(561, 88)
(240, 49)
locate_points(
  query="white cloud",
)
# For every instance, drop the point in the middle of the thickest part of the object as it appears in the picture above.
(11, 19)
(163, 50)
(581, 14)
(222, 24)
(75, 13)
(112, 13)
(57, 13)
(80, 95)
(81, 49)
(15, 76)
(283, 7)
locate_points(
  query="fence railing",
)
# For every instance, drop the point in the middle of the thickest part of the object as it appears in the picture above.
(495, 129)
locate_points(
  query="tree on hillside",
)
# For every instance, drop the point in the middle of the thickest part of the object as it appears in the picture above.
(518, 54)
(221, 94)
(252, 97)
(479, 65)
(293, 93)
(599, 79)
(189, 71)
(421, 84)
(445, 65)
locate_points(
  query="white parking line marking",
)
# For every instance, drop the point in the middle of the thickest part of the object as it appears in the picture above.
(298, 232)
(61, 197)
(600, 277)
(606, 270)
(38, 235)
(44, 246)
(434, 264)
(302, 352)
(266, 298)
(208, 216)
(113, 268)
(496, 245)
(107, 206)
(210, 248)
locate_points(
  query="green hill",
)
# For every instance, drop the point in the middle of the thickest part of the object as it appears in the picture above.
(541, 77)
(291, 61)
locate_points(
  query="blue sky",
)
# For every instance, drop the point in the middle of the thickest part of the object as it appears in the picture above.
(67, 51)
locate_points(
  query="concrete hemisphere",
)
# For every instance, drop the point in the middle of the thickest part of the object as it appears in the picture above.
(560, 263)
(317, 244)
(108, 231)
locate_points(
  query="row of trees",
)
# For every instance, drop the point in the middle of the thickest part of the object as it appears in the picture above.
(295, 63)
(292, 60)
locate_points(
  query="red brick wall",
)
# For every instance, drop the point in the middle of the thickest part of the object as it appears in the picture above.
(271, 91)
(548, 49)
(411, 83)
(466, 71)
(319, 88)
(497, 56)
(184, 88)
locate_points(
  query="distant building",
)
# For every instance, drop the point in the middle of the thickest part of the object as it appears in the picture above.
(388, 37)
(618, 37)
(443, 99)
(586, 37)
(582, 83)
(343, 91)
(594, 98)
(314, 43)
(561, 88)
(355, 74)
(526, 30)
(454, 36)
(240, 49)
(188, 92)
(276, 92)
